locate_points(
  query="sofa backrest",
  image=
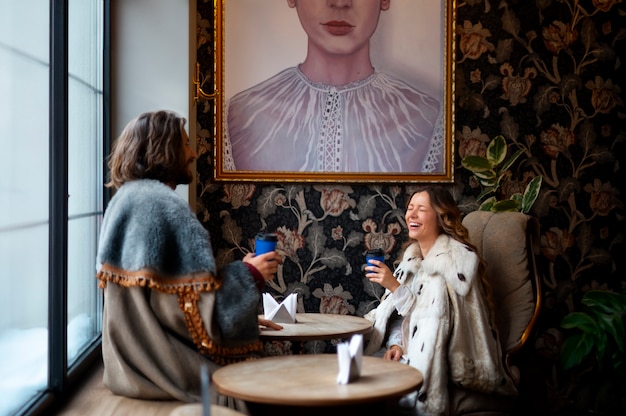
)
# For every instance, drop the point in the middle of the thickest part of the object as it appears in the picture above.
(509, 244)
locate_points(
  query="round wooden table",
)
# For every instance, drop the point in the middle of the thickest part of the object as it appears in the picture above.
(318, 326)
(307, 384)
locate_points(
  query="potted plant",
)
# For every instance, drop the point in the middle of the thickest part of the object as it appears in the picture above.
(594, 351)
(492, 171)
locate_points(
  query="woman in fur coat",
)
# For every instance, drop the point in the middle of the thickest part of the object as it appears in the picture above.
(435, 314)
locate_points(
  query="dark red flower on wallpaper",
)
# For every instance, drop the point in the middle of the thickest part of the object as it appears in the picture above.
(559, 36)
(556, 139)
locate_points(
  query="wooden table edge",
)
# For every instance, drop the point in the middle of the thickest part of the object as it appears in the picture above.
(274, 335)
(300, 402)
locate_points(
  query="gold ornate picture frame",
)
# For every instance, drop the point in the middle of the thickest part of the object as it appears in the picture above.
(255, 40)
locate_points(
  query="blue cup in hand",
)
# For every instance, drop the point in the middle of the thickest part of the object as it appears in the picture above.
(265, 242)
(374, 254)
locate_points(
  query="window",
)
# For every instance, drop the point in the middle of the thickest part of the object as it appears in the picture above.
(52, 136)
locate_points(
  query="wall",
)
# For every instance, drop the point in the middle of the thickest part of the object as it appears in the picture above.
(149, 60)
(551, 81)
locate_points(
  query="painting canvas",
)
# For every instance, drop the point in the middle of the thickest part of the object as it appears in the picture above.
(288, 107)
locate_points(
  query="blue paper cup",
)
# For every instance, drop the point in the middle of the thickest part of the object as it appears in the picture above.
(375, 254)
(265, 242)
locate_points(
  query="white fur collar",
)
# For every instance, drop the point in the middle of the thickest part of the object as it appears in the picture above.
(458, 266)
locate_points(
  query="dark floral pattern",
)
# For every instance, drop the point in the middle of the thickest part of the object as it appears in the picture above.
(546, 74)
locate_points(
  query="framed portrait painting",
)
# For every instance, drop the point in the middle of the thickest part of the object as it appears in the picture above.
(308, 91)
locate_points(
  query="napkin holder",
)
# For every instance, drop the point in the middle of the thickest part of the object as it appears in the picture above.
(350, 358)
(282, 313)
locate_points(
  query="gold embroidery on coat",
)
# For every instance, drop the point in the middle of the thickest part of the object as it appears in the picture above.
(188, 289)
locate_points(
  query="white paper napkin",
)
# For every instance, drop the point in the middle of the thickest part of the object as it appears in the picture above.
(350, 357)
(283, 313)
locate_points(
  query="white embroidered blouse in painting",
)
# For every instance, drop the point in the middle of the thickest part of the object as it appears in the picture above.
(378, 124)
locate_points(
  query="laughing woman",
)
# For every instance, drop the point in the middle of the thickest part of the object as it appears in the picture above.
(435, 314)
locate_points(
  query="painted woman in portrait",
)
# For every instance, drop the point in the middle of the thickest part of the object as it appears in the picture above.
(334, 112)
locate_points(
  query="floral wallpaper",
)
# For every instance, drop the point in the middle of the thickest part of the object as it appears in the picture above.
(546, 74)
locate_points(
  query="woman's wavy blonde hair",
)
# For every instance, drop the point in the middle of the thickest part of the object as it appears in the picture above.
(150, 147)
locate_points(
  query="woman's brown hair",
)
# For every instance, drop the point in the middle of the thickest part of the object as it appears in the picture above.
(449, 218)
(149, 148)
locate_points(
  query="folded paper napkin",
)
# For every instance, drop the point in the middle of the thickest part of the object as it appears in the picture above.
(283, 313)
(350, 357)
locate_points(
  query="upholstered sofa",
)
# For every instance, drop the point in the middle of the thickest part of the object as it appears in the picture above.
(509, 243)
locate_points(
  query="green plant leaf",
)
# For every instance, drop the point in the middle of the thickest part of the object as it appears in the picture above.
(531, 193)
(487, 174)
(601, 339)
(505, 205)
(496, 150)
(575, 349)
(507, 165)
(620, 333)
(487, 204)
(619, 364)
(605, 301)
(488, 178)
(580, 320)
(613, 325)
(491, 183)
(476, 164)
(517, 197)
(503, 177)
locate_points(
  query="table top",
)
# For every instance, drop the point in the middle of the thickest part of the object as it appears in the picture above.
(318, 326)
(195, 409)
(311, 380)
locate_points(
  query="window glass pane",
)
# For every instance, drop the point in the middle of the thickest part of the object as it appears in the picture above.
(85, 163)
(23, 316)
(24, 111)
(24, 86)
(84, 298)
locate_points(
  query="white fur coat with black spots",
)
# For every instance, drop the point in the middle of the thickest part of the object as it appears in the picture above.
(446, 325)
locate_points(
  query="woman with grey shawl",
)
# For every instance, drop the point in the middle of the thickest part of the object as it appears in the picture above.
(168, 310)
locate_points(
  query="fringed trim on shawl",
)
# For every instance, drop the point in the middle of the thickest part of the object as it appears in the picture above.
(201, 282)
(188, 290)
(188, 303)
